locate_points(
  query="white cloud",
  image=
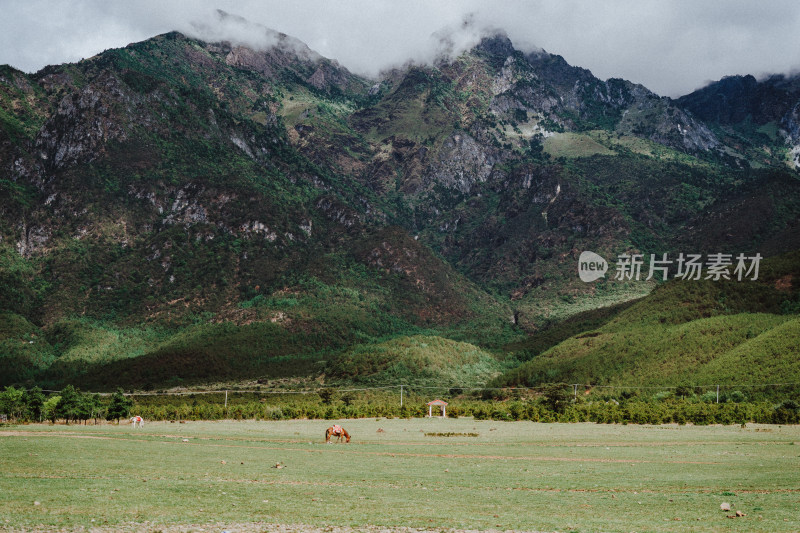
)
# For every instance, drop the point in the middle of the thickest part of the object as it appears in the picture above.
(670, 47)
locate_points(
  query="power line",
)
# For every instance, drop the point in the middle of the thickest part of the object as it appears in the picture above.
(463, 388)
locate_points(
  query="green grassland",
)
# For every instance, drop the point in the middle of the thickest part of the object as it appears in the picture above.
(423, 473)
(573, 145)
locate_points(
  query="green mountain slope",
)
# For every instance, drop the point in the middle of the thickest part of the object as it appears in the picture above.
(687, 332)
(418, 360)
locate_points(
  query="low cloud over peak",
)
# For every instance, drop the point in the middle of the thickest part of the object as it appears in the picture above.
(670, 47)
(239, 31)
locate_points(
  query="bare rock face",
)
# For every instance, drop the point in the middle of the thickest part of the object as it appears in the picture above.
(661, 121)
(461, 163)
(187, 209)
(84, 123)
(33, 239)
(337, 212)
(791, 129)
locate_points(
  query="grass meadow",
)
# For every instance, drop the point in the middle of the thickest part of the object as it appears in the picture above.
(423, 473)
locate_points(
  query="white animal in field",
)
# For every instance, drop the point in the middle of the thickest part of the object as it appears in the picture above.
(137, 421)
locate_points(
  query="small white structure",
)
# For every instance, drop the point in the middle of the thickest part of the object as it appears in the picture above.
(440, 403)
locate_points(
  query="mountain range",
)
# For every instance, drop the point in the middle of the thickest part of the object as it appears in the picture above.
(179, 212)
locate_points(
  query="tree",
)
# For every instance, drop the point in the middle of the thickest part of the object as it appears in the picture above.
(12, 402)
(326, 395)
(34, 403)
(119, 406)
(70, 406)
(89, 407)
(556, 397)
(96, 407)
(50, 408)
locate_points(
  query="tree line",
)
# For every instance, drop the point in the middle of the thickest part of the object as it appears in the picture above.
(554, 403)
(70, 405)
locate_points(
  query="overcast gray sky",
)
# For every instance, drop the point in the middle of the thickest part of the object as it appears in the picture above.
(671, 47)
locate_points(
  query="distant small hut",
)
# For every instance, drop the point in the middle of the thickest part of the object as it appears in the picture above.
(440, 403)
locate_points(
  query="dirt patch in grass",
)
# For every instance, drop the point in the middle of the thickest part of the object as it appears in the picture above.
(451, 434)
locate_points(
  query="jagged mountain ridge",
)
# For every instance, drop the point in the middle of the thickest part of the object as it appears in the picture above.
(181, 182)
(767, 109)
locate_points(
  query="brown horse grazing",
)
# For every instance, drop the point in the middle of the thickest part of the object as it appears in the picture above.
(338, 432)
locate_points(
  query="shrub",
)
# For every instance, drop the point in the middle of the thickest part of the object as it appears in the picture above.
(516, 410)
(499, 413)
(736, 396)
(709, 397)
(663, 395)
(480, 413)
(274, 413)
(787, 412)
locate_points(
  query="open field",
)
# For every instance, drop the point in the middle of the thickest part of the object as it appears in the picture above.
(421, 473)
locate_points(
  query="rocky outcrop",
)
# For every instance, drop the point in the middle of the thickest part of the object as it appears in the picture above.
(659, 120)
(461, 163)
(85, 122)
